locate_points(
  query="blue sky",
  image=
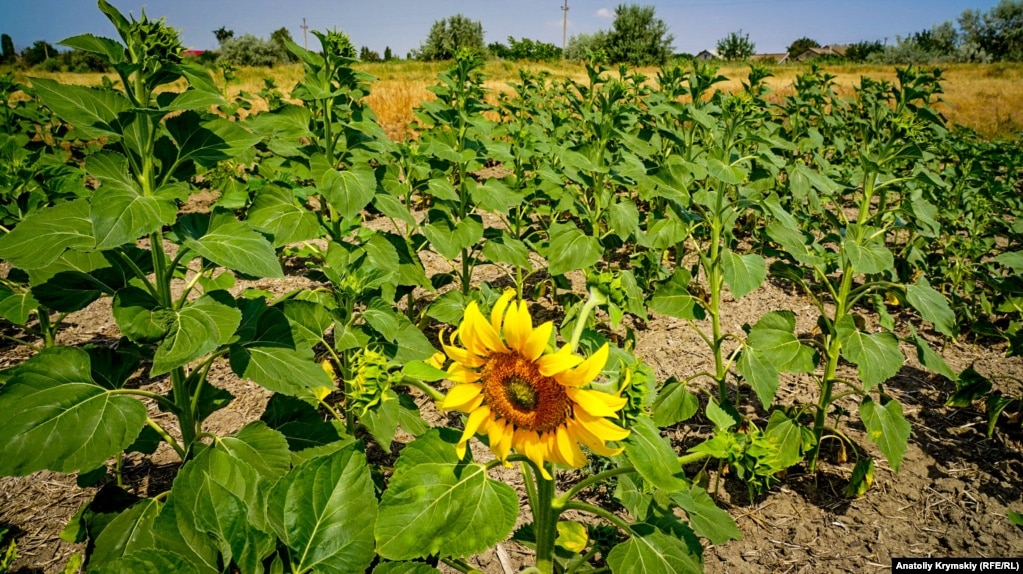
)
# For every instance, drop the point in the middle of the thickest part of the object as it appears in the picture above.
(403, 24)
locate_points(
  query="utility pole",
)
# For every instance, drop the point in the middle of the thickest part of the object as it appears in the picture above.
(564, 29)
(305, 36)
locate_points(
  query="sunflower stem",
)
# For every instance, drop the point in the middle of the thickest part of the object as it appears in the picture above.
(595, 298)
(545, 520)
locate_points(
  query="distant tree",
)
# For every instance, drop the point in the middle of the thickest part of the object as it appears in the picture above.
(280, 37)
(801, 45)
(7, 55)
(37, 53)
(860, 51)
(499, 50)
(736, 46)
(525, 49)
(997, 32)
(367, 55)
(248, 50)
(388, 54)
(638, 37)
(223, 34)
(451, 35)
(582, 47)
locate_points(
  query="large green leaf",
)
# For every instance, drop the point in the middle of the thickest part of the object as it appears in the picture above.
(761, 374)
(129, 530)
(729, 174)
(139, 315)
(502, 247)
(571, 249)
(653, 457)
(674, 404)
(262, 448)
(887, 428)
(197, 329)
(174, 531)
(932, 306)
(928, 358)
(705, 517)
(448, 240)
(324, 511)
(672, 298)
(346, 191)
(436, 504)
(151, 560)
(57, 418)
(743, 273)
(791, 437)
(41, 238)
(237, 246)
(773, 336)
(652, 552)
(16, 307)
(877, 356)
(270, 354)
(93, 112)
(867, 255)
(208, 142)
(274, 211)
(223, 498)
(111, 49)
(120, 213)
(792, 240)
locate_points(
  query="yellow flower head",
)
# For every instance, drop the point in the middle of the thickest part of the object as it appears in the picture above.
(523, 398)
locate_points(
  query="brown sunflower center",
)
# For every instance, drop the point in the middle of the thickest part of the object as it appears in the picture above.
(516, 391)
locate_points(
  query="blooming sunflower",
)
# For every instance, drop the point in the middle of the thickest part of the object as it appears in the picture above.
(523, 398)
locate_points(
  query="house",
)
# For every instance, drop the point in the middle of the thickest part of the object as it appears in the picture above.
(829, 51)
(706, 55)
(779, 58)
(193, 53)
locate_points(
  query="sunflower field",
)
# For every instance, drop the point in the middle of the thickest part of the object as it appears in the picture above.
(473, 298)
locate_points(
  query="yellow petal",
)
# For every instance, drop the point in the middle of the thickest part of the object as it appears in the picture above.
(537, 341)
(600, 427)
(472, 424)
(529, 444)
(460, 355)
(554, 363)
(504, 445)
(461, 395)
(567, 447)
(497, 313)
(518, 326)
(591, 441)
(596, 403)
(459, 374)
(485, 338)
(499, 443)
(587, 371)
(438, 359)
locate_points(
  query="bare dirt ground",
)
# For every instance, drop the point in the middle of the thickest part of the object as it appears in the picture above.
(949, 498)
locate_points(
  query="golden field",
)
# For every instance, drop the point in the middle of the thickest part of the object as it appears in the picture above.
(984, 97)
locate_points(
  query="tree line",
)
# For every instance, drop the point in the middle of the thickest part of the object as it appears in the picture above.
(637, 37)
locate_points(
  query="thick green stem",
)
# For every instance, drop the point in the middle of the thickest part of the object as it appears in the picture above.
(46, 328)
(545, 521)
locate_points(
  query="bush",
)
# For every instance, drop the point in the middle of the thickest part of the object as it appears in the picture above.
(582, 47)
(248, 50)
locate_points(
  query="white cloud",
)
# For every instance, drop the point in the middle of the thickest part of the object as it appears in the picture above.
(605, 13)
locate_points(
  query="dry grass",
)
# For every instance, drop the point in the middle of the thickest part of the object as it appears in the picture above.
(984, 97)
